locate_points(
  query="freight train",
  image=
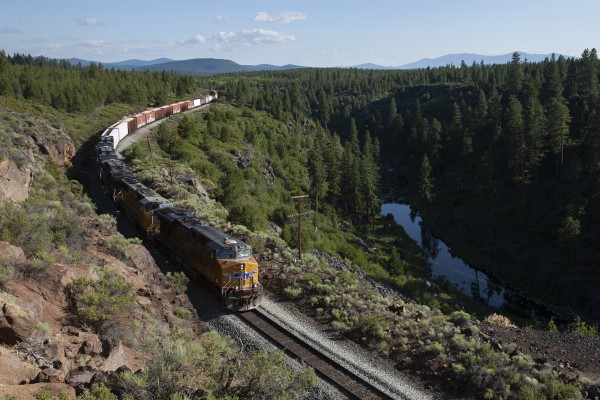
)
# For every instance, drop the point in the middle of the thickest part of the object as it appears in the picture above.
(209, 255)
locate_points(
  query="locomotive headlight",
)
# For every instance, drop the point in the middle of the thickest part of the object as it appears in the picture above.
(241, 267)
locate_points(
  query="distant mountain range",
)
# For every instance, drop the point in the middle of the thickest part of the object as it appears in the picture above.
(468, 58)
(192, 66)
(219, 66)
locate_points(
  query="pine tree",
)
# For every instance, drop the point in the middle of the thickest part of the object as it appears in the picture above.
(317, 171)
(557, 128)
(589, 77)
(552, 86)
(393, 112)
(324, 108)
(436, 144)
(515, 74)
(425, 185)
(517, 148)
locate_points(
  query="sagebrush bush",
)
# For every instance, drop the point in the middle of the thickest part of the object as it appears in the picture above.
(7, 269)
(292, 292)
(179, 280)
(120, 246)
(99, 301)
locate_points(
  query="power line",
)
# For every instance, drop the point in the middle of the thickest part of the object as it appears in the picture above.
(299, 217)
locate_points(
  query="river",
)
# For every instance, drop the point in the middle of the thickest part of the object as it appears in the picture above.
(442, 262)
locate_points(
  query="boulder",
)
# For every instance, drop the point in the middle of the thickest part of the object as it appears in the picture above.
(116, 359)
(268, 173)
(200, 190)
(14, 253)
(55, 351)
(14, 181)
(16, 323)
(13, 370)
(91, 347)
(80, 377)
(51, 375)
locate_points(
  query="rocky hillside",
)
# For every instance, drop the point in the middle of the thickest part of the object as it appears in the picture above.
(44, 346)
(87, 312)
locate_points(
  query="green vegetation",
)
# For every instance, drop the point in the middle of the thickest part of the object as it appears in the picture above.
(120, 246)
(179, 280)
(98, 301)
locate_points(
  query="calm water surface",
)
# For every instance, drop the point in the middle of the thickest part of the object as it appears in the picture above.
(443, 264)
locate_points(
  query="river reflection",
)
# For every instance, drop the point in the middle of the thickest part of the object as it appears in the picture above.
(443, 264)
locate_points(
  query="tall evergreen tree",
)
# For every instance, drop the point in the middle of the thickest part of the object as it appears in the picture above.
(317, 171)
(557, 128)
(425, 184)
(515, 74)
(517, 151)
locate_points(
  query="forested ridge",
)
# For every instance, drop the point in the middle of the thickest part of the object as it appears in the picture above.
(510, 154)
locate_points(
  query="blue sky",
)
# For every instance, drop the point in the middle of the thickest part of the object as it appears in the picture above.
(309, 33)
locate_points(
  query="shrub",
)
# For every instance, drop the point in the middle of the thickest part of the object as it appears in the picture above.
(346, 277)
(179, 281)
(183, 313)
(121, 247)
(7, 270)
(311, 278)
(48, 394)
(460, 318)
(292, 292)
(552, 326)
(370, 327)
(580, 327)
(107, 223)
(435, 348)
(99, 301)
(501, 320)
(557, 390)
(98, 392)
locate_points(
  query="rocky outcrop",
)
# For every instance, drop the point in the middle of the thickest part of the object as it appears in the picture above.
(14, 181)
(199, 190)
(13, 370)
(242, 160)
(267, 172)
(19, 160)
(61, 151)
(14, 253)
(16, 324)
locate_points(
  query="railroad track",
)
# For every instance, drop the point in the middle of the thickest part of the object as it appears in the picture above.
(348, 382)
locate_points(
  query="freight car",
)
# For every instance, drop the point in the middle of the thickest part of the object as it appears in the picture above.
(209, 255)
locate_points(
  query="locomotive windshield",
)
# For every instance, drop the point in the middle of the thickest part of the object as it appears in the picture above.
(225, 254)
(245, 253)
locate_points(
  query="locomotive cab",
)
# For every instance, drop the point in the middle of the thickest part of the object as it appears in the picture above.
(240, 286)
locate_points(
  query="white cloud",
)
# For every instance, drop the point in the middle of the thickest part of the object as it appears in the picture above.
(89, 21)
(284, 17)
(94, 43)
(223, 18)
(196, 39)
(254, 36)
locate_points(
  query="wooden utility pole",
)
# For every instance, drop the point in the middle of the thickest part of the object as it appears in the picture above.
(299, 217)
(151, 152)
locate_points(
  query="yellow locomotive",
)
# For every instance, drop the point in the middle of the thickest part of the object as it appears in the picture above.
(225, 263)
